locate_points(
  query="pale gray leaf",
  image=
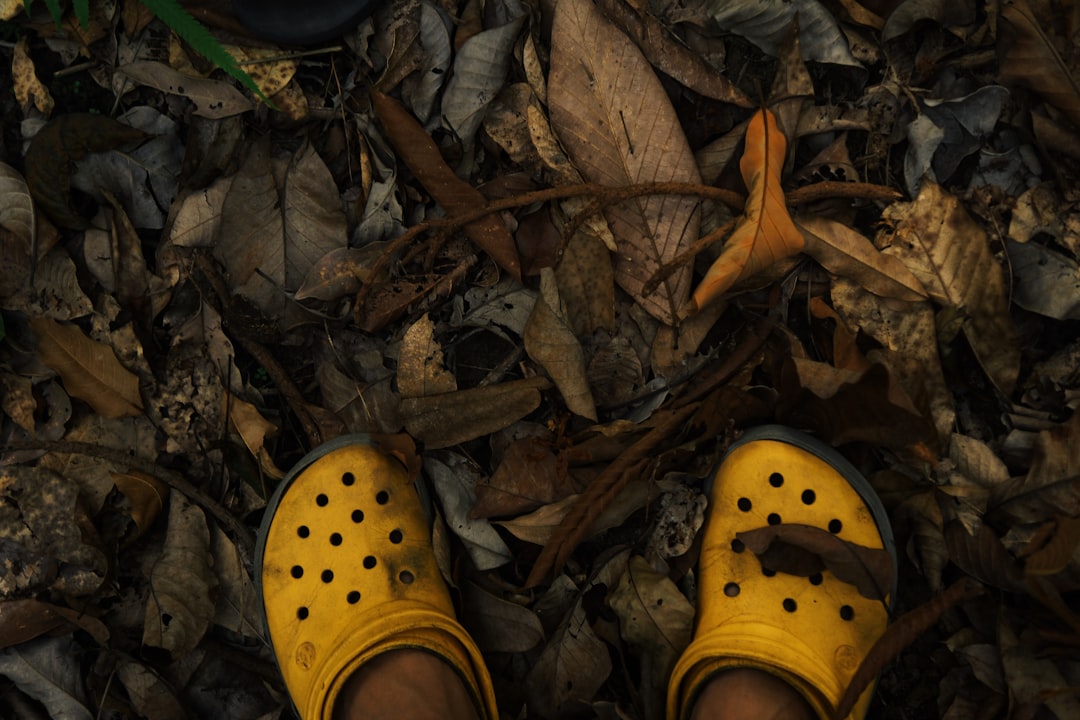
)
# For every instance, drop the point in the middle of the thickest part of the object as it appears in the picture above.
(47, 669)
(455, 478)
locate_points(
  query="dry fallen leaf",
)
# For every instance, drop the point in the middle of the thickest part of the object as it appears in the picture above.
(528, 476)
(88, 369)
(28, 88)
(421, 368)
(422, 156)
(949, 252)
(52, 155)
(180, 605)
(765, 233)
(1029, 58)
(619, 128)
(213, 99)
(844, 251)
(452, 418)
(550, 342)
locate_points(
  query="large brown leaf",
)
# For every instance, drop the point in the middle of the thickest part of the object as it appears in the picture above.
(619, 128)
(765, 233)
(949, 252)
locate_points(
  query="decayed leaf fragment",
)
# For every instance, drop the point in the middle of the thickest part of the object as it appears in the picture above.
(88, 369)
(619, 128)
(421, 369)
(949, 252)
(765, 233)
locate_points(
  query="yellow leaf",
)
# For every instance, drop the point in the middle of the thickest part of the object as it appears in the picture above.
(28, 88)
(765, 233)
(88, 369)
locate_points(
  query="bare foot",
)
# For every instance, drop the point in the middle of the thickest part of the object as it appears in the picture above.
(409, 684)
(748, 694)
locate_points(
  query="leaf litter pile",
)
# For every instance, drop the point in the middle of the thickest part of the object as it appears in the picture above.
(556, 257)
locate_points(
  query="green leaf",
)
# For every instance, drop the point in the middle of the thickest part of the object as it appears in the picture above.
(82, 12)
(196, 35)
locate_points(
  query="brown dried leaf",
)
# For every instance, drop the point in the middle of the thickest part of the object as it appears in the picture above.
(619, 128)
(923, 513)
(420, 153)
(196, 217)
(421, 368)
(551, 343)
(982, 556)
(150, 695)
(340, 272)
(497, 625)
(52, 155)
(1057, 552)
(528, 476)
(765, 234)
(213, 99)
(180, 607)
(1029, 58)
(1052, 484)
(88, 369)
(25, 619)
(843, 251)
(451, 418)
(271, 75)
(656, 619)
(804, 550)
(949, 252)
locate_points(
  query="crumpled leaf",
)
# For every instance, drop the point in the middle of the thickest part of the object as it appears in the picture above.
(253, 429)
(1052, 483)
(213, 99)
(657, 619)
(88, 369)
(498, 625)
(49, 671)
(420, 153)
(180, 606)
(550, 342)
(479, 71)
(528, 476)
(1047, 282)
(146, 178)
(1029, 58)
(765, 23)
(575, 662)
(270, 240)
(619, 128)
(950, 254)
(421, 368)
(948, 131)
(844, 251)
(454, 478)
(804, 550)
(451, 418)
(146, 495)
(1034, 680)
(765, 234)
(52, 155)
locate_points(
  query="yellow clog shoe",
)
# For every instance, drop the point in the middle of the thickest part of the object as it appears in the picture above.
(812, 630)
(346, 571)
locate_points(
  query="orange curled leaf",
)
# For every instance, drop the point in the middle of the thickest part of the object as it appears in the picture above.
(765, 234)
